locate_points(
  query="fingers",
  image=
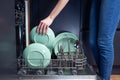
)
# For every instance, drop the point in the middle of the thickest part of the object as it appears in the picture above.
(42, 28)
(39, 27)
(46, 29)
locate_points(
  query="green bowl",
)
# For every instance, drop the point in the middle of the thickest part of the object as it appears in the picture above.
(62, 40)
(36, 56)
(46, 39)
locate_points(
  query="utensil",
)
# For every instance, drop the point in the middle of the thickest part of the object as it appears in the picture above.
(63, 39)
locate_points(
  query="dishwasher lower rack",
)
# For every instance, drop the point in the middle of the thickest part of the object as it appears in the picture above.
(87, 73)
(59, 69)
(56, 67)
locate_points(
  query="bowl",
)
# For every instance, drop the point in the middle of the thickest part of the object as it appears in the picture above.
(36, 56)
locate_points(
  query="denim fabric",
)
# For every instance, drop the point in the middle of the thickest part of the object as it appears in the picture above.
(104, 18)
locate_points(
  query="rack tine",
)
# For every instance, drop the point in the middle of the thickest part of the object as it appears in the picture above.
(69, 52)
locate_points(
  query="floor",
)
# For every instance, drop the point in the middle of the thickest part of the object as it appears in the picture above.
(115, 77)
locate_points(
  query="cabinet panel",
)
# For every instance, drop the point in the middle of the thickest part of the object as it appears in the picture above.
(7, 37)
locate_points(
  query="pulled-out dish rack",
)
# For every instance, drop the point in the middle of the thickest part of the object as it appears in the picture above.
(69, 64)
(72, 66)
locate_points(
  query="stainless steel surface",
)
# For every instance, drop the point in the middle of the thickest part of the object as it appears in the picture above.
(56, 77)
(81, 77)
(85, 74)
(69, 53)
(26, 22)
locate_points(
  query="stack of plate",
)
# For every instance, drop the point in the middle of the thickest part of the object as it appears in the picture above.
(62, 41)
(38, 54)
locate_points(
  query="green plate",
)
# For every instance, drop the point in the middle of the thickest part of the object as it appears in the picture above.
(36, 56)
(46, 39)
(62, 40)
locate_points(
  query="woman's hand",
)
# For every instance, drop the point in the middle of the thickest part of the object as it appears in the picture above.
(43, 25)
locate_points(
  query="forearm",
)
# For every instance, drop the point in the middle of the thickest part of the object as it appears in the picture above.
(45, 23)
(58, 8)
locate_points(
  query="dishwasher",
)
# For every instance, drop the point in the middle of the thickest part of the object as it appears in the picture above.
(75, 68)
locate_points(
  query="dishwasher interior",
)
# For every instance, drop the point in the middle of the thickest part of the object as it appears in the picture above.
(75, 67)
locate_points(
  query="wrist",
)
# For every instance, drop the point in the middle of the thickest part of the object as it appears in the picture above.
(51, 17)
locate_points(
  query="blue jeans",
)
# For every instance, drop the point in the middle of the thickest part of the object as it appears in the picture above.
(104, 18)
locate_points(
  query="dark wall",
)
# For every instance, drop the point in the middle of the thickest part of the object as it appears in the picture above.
(7, 37)
(67, 20)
